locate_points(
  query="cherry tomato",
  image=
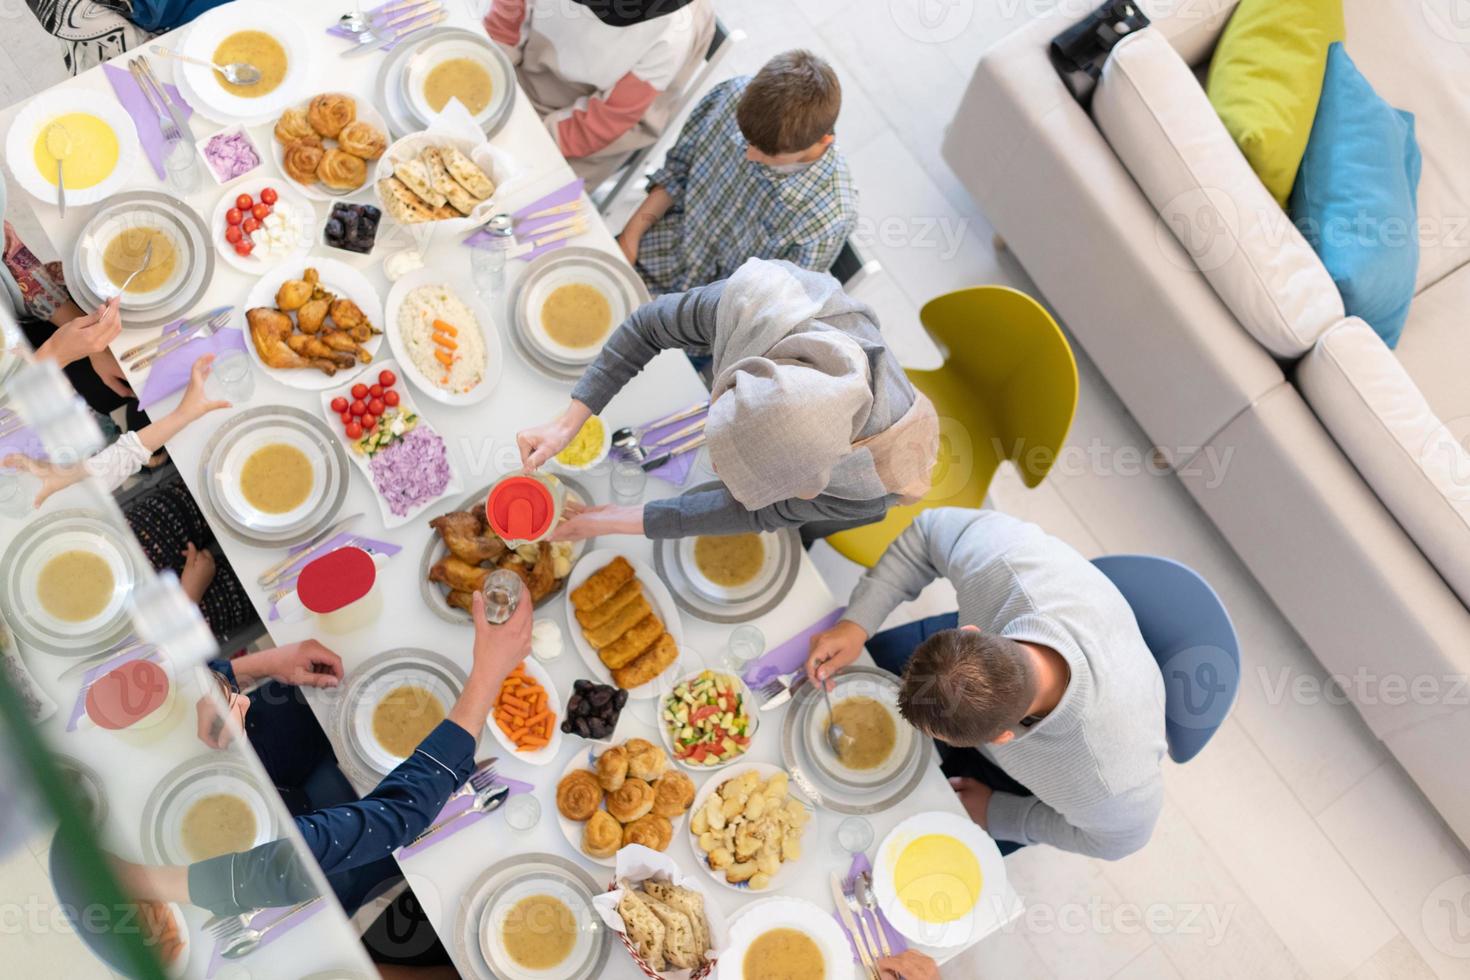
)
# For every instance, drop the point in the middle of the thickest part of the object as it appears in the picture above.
(269, 195)
(260, 211)
(375, 407)
(249, 225)
(244, 202)
(368, 421)
(387, 379)
(339, 404)
(233, 234)
(354, 431)
(390, 398)
(359, 391)
(244, 247)
(357, 407)
(347, 418)
(234, 216)
(376, 391)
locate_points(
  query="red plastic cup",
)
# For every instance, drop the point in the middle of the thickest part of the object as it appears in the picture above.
(520, 508)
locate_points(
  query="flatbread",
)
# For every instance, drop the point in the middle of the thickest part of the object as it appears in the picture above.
(464, 170)
(415, 176)
(645, 929)
(688, 901)
(402, 204)
(438, 176)
(678, 935)
(461, 200)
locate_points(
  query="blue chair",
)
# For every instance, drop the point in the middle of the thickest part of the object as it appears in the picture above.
(1189, 633)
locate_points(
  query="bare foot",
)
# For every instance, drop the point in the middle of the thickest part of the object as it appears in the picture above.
(198, 572)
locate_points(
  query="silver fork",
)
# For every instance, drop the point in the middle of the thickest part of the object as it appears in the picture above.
(166, 125)
(862, 887)
(778, 690)
(239, 939)
(857, 910)
(216, 322)
(487, 798)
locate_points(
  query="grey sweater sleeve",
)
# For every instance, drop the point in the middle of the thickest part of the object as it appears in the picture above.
(684, 321)
(1110, 829)
(717, 512)
(911, 562)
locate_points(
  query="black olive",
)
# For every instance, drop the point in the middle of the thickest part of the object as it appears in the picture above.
(620, 699)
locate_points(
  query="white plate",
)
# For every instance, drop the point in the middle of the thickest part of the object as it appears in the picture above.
(318, 191)
(658, 597)
(611, 288)
(752, 712)
(362, 719)
(502, 85)
(120, 223)
(212, 784)
(494, 354)
(500, 165)
(547, 752)
(210, 28)
(859, 685)
(301, 207)
(336, 277)
(76, 540)
(231, 497)
(572, 829)
(780, 912)
(788, 869)
(771, 567)
(492, 925)
(995, 905)
(37, 114)
(364, 464)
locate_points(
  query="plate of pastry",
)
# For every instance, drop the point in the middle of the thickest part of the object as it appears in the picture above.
(313, 326)
(623, 621)
(442, 180)
(330, 145)
(626, 794)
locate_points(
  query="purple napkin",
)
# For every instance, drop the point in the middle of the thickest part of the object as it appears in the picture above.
(22, 440)
(170, 373)
(676, 470)
(378, 15)
(790, 655)
(896, 942)
(145, 120)
(455, 809)
(526, 226)
(106, 666)
(346, 539)
(262, 920)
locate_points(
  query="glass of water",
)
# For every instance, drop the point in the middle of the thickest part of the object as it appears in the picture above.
(18, 489)
(627, 482)
(745, 644)
(232, 376)
(854, 835)
(182, 165)
(522, 812)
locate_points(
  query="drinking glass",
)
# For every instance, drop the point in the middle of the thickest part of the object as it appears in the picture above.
(627, 482)
(181, 164)
(854, 835)
(745, 644)
(231, 374)
(503, 589)
(18, 489)
(522, 812)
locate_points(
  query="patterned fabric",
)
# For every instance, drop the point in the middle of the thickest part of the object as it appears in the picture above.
(91, 31)
(42, 285)
(728, 209)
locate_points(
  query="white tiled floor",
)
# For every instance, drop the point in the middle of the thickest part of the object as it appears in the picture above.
(1294, 846)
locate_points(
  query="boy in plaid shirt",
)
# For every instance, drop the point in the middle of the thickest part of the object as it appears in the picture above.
(756, 173)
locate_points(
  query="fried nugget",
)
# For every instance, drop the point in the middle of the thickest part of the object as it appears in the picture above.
(648, 665)
(602, 583)
(592, 618)
(626, 648)
(623, 621)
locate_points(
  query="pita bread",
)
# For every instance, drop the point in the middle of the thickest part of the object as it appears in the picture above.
(685, 900)
(645, 929)
(471, 177)
(438, 175)
(415, 176)
(402, 204)
(678, 935)
(460, 199)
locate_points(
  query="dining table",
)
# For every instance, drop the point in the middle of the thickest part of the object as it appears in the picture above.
(481, 446)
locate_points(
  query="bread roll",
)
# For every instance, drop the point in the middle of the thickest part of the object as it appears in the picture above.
(630, 801)
(612, 768)
(602, 835)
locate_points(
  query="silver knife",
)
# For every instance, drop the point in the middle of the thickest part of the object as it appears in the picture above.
(850, 924)
(273, 574)
(162, 93)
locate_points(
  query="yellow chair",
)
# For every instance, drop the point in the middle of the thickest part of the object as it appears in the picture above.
(1007, 390)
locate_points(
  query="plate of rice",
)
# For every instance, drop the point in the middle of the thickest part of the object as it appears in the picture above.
(443, 337)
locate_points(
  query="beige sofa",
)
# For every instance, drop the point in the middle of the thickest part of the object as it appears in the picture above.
(1348, 486)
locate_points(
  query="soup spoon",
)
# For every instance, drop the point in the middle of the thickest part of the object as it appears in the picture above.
(58, 144)
(837, 737)
(236, 72)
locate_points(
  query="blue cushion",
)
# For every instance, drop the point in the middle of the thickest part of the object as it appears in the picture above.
(1355, 198)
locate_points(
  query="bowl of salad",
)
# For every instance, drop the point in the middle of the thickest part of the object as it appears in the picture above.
(707, 719)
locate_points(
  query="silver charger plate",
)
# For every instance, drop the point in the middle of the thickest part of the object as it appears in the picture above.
(88, 785)
(479, 897)
(321, 516)
(392, 81)
(200, 261)
(157, 849)
(669, 564)
(807, 771)
(359, 768)
(435, 594)
(26, 626)
(636, 295)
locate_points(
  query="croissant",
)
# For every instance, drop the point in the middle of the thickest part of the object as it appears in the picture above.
(630, 801)
(362, 139)
(650, 831)
(301, 159)
(341, 171)
(672, 794)
(645, 760)
(329, 113)
(602, 836)
(292, 126)
(578, 796)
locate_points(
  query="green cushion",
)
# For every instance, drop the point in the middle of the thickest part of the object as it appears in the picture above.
(1266, 79)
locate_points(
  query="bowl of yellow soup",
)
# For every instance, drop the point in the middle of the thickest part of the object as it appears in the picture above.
(79, 583)
(476, 74)
(941, 882)
(539, 927)
(115, 247)
(267, 36)
(572, 308)
(781, 938)
(94, 137)
(214, 813)
(272, 479)
(397, 712)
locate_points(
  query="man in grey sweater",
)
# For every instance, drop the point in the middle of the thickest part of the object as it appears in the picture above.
(1048, 705)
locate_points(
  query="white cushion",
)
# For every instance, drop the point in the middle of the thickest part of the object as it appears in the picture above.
(1384, 425)
(1161, 125)
(1435, 348)
(1418, 59)
(1192, 26)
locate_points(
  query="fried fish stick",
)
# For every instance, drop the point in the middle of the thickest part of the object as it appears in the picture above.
(625, 648)
(601, 585)
(596, 616)
(625, 619)
(648, 665)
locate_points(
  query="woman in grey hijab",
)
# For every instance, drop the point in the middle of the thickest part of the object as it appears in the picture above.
(812, 421)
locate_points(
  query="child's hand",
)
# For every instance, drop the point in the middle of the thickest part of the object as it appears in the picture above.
(53, 476)
(195, 402)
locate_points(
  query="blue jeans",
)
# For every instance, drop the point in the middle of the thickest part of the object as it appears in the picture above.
(891, 650)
